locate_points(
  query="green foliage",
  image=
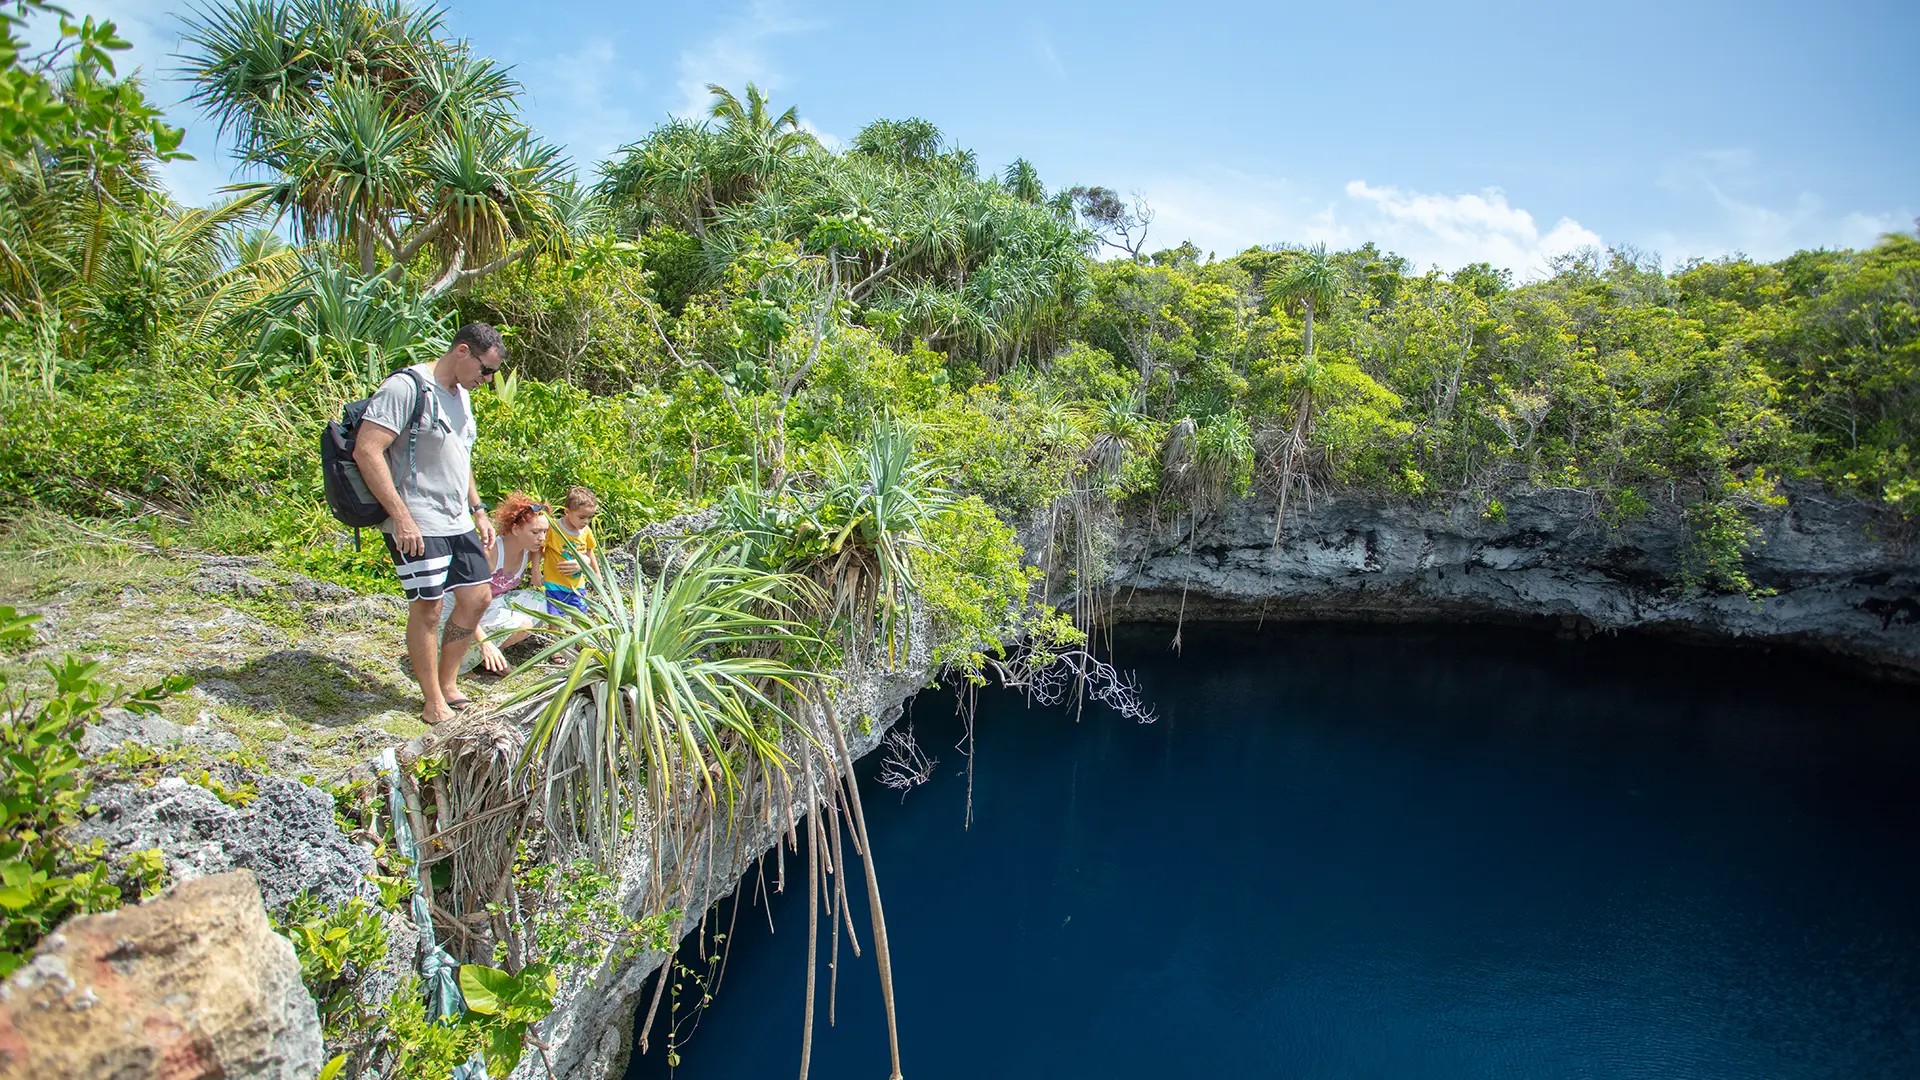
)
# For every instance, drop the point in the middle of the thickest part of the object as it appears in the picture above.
(586, 321)
(579, 923)
(177, 439)
(16, 629)
(423, 1048)
(338, 949)
(149, 871)
(43, 878)
(334, 326)
(74, 143)
(974, 583)
(1223, 448)
(237, 796)
(1006, 444)
(1718, 539)
(859, 378)
(1083, 373)
(555, 435)
(874, 508)
(503, 1007)
(677, 266)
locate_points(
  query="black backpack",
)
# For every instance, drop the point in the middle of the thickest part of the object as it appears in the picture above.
(347, 493)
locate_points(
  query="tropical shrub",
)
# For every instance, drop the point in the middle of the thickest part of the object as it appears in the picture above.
(580, 322)
(974, 582)
(44, 879)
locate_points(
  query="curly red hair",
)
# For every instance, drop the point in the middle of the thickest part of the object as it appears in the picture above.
(513, 511)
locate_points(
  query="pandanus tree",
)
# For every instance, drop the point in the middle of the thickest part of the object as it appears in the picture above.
(1022, 181)
(688, 174)
(957, 261)
(379, 134)
(684, 692)
(759, 143)
(1313, 281)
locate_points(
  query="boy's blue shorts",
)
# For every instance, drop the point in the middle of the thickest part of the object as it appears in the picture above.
(560, 599)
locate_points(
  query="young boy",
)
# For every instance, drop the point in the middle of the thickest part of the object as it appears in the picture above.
(569, 545)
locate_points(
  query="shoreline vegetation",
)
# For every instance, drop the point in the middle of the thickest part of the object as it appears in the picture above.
(863, 386)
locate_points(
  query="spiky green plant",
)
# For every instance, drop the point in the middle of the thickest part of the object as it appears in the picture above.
(677, 686)
(330, 322)
(876, 504)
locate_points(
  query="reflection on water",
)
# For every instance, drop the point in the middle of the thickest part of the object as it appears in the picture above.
(1369, 852)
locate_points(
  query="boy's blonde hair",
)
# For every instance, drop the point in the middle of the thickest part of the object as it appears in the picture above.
(579, 498)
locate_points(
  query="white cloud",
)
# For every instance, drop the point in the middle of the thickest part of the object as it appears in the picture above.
(736, 55)
(1453, 230)
(827, 138)
(1721, 191)
(1228, 211)
(1043, 45)
(1864, 230)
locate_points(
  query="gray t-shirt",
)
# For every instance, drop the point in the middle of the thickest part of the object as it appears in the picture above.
(436, 491)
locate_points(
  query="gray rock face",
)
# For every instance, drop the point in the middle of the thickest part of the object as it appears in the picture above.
(1841, 586)
(117, 726)
(230, 575)
(192, 985)
(287, 836)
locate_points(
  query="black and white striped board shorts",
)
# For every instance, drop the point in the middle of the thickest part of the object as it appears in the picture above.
(449, 562)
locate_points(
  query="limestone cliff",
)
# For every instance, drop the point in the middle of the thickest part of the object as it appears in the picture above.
(1842, 584)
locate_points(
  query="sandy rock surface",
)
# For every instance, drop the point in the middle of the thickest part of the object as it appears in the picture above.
(193, 984)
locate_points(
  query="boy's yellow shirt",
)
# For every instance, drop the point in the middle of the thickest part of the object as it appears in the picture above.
(560, 546)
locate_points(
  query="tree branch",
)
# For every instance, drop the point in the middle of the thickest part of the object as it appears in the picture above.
(819, 327)
(456, 275)
(403, 254)
(886, 267)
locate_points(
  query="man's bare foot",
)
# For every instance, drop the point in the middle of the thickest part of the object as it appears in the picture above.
(431, 716)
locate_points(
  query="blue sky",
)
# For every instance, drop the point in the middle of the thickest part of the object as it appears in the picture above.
(1449, 133)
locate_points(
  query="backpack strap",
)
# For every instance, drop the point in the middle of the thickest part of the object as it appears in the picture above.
(419, 412)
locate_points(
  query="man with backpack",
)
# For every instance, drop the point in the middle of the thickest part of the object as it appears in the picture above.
(414, 450)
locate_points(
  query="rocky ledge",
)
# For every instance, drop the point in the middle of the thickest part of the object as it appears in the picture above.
(1842, 583)
(194, 985)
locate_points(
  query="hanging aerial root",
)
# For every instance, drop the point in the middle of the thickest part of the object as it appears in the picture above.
(880, 952)
(813, 911)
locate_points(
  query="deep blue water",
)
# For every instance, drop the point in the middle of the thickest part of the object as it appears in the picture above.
(1349, 852)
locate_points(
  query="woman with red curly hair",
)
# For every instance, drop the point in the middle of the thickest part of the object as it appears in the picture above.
(521, 526)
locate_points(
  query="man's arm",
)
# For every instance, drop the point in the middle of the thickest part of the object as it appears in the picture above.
(482, 522)
(370, 453)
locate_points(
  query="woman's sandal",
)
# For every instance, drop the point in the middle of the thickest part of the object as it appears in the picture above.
(461, 705)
